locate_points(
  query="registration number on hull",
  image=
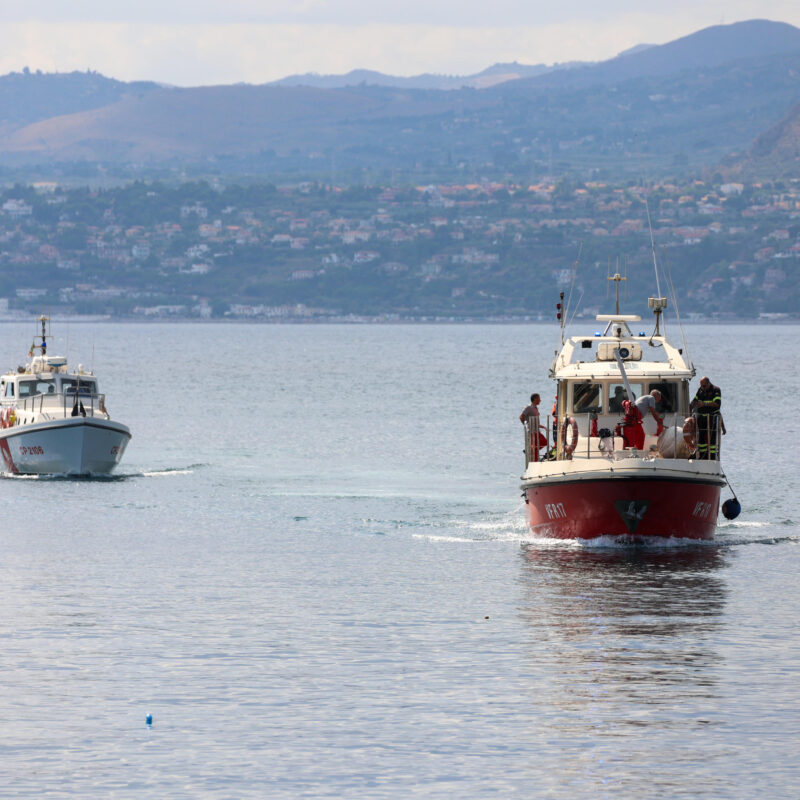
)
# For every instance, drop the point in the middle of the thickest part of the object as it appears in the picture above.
(34, 450)
(703, 510)
(555, 511)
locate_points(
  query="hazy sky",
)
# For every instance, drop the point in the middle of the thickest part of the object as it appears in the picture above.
(207, 41)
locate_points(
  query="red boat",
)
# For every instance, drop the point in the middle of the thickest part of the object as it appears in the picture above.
(593, 469)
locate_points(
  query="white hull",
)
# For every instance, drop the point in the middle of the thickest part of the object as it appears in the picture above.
(72, 446)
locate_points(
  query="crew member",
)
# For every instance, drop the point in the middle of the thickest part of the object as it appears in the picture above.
(631, 428)
(706, 406)
(615, 403)
(530, 415)
(647, 404)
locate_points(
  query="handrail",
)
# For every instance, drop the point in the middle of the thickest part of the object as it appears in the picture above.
(532, 433)
(93, 403)
(555, 451)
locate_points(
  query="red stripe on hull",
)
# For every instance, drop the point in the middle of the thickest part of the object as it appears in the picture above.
(7, 457)
(639, 508)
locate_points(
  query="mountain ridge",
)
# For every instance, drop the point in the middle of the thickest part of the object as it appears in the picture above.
(578, 117)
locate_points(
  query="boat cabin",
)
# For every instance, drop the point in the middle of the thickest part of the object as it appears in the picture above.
(14, 387)
(44, 389)
(594, 375)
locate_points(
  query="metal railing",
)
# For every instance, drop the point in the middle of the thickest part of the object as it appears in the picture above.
(59, 405)
(709, 429)
(540, 447)
(536, 430)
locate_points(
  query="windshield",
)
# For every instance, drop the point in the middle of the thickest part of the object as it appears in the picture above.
(586, 397)
(68, 386)
(32, 387)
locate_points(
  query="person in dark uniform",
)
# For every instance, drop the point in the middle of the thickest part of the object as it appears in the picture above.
(706, 406)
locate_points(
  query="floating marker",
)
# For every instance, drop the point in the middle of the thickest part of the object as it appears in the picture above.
(731, 508)
(149, 719)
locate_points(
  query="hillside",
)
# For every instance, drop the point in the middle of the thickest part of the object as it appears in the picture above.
(675, 107)
(776, 153)
(491, 76)
(151, 248)
(27, 97)
(200, 122)
(707, 48)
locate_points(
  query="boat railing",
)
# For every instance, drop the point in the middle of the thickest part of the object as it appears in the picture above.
(55, 405)
(709, 430)
(567, 444)
(537, 439)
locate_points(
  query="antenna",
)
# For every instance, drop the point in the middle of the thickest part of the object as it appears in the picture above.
(652, 246)
(677, 311)
(626, 279)
(617, 278)
(42, 346)
(571, 287)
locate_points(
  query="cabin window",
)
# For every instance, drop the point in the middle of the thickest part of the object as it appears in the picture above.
(31, 388)
(617, 393)
(669, 396)
(9, 390)
(586, 397)
(86, 386)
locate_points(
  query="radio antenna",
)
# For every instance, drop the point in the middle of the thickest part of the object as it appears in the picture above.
(652, 246)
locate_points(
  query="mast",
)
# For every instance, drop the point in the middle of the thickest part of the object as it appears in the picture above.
(42, 345)
(617, 278)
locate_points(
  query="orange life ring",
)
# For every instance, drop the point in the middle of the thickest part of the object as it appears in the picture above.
(569, 447)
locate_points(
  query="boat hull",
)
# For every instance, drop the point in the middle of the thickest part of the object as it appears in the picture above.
(73, 446)
(631, 506)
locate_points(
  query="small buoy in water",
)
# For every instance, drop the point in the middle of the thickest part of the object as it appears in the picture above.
(149, 719)
(731, 508)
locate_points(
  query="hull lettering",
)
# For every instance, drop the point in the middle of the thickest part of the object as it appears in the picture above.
(555, 511)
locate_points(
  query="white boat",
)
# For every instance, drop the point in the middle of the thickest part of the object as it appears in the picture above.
(54, 421)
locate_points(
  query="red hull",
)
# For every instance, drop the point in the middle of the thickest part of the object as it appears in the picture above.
(585, 509)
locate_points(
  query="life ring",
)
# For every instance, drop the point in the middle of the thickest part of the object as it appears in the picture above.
(690, 433)
(569, 446)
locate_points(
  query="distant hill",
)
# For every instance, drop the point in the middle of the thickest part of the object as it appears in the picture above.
(710, 47)
(198, 122)
(27, 97)
(491, 76)
(679, 106)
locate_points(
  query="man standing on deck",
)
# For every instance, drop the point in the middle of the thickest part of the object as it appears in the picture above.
(530, 415)
(706, 406)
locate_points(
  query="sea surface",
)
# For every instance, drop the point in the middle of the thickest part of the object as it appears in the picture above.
(313, 572)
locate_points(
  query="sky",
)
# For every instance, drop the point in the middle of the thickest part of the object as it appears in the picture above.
(206, 42)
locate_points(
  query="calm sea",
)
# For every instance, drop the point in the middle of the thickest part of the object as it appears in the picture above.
(313, 571)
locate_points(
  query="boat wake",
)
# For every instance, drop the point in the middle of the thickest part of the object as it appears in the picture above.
(511, 526)
(117, 476)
